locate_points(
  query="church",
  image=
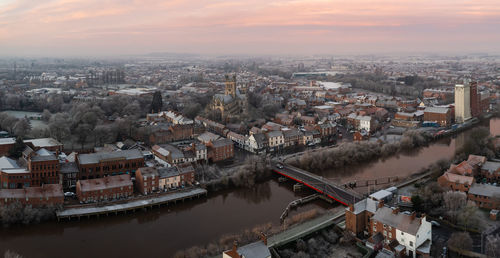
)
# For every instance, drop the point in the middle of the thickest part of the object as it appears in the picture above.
(230, 104)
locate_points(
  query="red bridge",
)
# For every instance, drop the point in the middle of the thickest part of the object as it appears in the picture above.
(320, 184)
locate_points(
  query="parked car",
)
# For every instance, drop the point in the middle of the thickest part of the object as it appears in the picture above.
(435, 223)
(69, 194)
(279, 166)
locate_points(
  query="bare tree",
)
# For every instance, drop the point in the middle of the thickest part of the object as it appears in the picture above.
(493, 246)
(454, 202)
(22, 127)
(460, 240)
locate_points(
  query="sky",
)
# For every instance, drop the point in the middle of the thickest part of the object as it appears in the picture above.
(253, 27)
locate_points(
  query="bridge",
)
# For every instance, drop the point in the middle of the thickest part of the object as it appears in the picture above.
(322, 185)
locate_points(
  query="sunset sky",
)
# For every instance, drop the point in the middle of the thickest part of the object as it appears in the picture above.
(123, 27)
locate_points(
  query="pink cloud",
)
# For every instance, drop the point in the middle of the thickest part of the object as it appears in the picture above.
(212, 25)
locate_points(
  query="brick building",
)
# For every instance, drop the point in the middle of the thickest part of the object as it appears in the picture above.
(102, 189)
(455, 182)
(44, 167)
(219, 150)
(186, 172)
(440, 115)
(49, 144)
(146, 180)
(5, 145)
(475, 108)
(12, 176)
(96, 165)
(171, 133)
(48, 194)
(491, 170)
(485, 196)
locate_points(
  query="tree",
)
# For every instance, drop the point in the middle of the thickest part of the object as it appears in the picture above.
(22, 127)
(493, 246)
(192, 110)
(83, 131)
(17, 150)
(468, 215)
(454, 202)
(46, 115)
(59, 125)
(460, 240)
(417, 202)
(157, 103)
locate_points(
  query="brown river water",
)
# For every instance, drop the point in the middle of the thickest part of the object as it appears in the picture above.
(161, 232)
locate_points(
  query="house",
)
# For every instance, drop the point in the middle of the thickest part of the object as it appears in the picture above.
(186, 172)
(12, 176)
(220, 149)
(69, 174)
(257, 143)
(292, 137)
(48, 194)
(485, 196)
(275, 139)
(366, 123)
(361, 135)
(103, 189)
(207, 137)
(96, 165)
(413, 234)
(168, 153)
(146, 180)
(257, 249)
(168, 178)
(238, 139)
(455, 182)
(358, 215)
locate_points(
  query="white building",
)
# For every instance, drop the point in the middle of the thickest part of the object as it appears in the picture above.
(413, 234)
(462, 102)
(365, 123)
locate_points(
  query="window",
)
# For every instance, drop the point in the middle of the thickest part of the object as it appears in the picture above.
(374, 229)
(390, 234)
(411, 243)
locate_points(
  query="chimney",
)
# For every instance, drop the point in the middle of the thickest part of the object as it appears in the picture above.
(380, 204)
(395, 210)
(351, 207)
(263, 237)
(235, 246)
(413, 215)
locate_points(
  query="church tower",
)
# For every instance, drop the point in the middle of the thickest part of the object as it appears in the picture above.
(230, 86)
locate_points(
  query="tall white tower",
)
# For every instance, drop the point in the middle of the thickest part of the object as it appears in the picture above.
(462, 102)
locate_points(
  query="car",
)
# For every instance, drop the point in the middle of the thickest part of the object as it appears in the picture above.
(279, 166)
(69, 194)
(391, 126)
(435, 223)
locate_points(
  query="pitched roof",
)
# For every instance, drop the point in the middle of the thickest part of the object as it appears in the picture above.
(485, 190)
(400, 221)
(466, 180)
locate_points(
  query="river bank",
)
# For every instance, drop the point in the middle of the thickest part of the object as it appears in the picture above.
(162, 232)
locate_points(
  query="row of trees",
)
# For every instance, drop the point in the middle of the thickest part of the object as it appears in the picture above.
(17, 213)
(353, 153)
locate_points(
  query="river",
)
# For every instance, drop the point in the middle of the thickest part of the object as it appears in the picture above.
(161, 232)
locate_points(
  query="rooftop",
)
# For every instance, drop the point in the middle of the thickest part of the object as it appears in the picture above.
(105, 183)
(94, 158)
(485, 190)
(44, 142)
